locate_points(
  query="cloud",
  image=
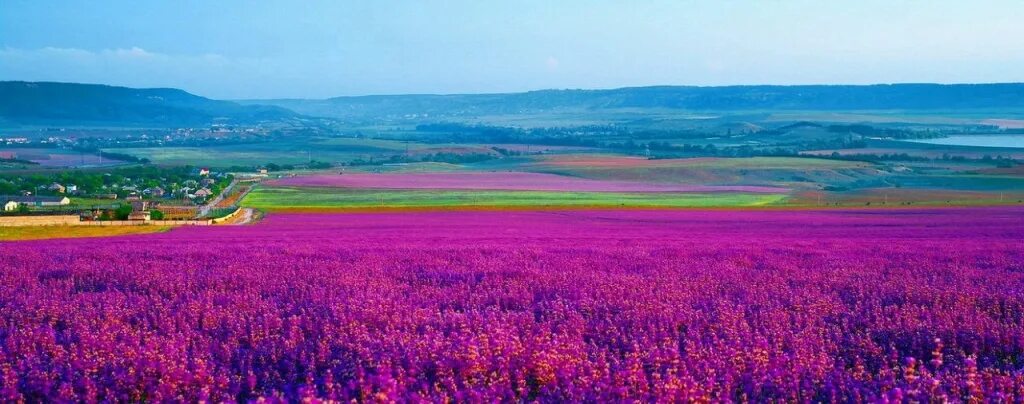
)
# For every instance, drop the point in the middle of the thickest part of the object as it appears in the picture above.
(552, 63)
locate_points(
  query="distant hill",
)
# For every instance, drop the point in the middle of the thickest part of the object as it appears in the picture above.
(730, 98)
(44, 103)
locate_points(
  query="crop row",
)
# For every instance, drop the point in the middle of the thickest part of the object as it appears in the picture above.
(590, 306)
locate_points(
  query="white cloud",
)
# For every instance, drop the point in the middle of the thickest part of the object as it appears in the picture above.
(552, 63)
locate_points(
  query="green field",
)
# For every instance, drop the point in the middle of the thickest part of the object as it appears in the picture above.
(287, 198)
(48, 232)
(299, 151)
(238, 155)
(785, 172)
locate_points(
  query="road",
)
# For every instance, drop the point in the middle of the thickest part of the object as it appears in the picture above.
(205, 209)
(246, 216)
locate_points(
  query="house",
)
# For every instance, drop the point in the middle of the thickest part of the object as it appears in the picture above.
(11, 206)
(139, 206)
(155, 192)
(262, 171)
(38, 201)
(203, 193)
(55, 187)
(72, 189)
(144, 215)
(208, 181)
(204, 172)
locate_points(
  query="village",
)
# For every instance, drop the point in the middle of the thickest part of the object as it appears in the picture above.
(137, 194)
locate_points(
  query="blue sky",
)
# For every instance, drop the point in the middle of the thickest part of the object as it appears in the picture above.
(316, 49)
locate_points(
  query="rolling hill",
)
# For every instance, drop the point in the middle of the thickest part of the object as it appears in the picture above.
(911, 97)
(46, 103)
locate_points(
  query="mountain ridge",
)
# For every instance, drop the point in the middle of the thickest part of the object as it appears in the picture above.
(43, 103)
(913, 96)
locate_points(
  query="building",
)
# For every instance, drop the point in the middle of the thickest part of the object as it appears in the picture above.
(37, 201)
(203, 193)
(72, 189)
(139, 215)
(155, 192)
(11, 206)
(55, 187)
(204, 171)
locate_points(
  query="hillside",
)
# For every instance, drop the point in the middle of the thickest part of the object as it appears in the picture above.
(815, 97)
(44, 103)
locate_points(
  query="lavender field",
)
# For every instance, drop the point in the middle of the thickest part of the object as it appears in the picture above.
(838, 305)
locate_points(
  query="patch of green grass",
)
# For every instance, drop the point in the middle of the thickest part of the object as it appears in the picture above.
(46, 232)
(383, 144)
(285, 198)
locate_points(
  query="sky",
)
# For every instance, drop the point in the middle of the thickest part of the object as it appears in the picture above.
(235, 49)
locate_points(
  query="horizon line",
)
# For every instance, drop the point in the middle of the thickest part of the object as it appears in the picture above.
(440, 94)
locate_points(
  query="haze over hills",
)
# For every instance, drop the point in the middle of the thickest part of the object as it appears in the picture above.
(48, 103)
(802, 97)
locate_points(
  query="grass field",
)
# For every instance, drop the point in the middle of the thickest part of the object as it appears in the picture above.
(287, 198)
(904, 196)
(236, 155)
(770, 171)
(598, 161)
(48, 232)
(332, 150)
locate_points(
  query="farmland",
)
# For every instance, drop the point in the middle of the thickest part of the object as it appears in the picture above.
(834, 305)
(60, 232)
(328, 199)
(635, 254)
(55, 158)
(520, 181)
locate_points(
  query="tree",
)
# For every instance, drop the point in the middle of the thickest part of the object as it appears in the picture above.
(122, 212)
(156, 215)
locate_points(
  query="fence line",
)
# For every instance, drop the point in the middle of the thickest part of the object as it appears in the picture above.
(75, 220)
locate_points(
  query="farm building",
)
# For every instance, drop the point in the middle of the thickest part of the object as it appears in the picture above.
(139, 215)
(38, 201)
(11, 206)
